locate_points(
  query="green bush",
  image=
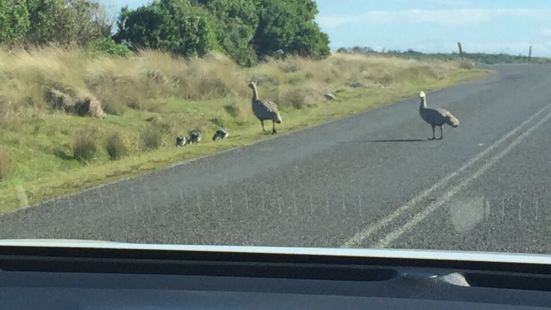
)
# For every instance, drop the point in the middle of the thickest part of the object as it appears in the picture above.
(117, 147)
(107, 46)
(5, 166)
(151, 138)
(84, 145)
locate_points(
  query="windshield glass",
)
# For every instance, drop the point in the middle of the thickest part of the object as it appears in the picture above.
(363, 124)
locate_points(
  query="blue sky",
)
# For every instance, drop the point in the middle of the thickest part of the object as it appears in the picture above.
(431, 25)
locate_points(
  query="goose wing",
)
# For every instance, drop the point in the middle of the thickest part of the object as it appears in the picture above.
(449, 118)
(270, 106)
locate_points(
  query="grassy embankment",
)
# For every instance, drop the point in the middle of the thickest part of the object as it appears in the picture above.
(152, 97)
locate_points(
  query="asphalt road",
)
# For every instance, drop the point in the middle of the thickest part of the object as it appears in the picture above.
(371, 180)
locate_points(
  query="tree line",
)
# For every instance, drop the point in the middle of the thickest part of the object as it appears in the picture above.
(483, 58)
(245, 30)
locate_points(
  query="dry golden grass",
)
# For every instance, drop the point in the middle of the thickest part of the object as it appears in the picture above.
(138, 82)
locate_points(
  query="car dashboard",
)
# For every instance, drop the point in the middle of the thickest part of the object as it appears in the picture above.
(88, 277)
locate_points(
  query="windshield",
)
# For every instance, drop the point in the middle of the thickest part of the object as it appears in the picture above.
(362, 124)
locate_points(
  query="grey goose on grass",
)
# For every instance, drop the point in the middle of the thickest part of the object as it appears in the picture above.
(264, 110)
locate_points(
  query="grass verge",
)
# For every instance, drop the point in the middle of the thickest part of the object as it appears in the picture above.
(151, 102)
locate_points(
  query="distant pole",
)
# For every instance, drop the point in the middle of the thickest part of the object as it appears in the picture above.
(460, 49)
(530, 54)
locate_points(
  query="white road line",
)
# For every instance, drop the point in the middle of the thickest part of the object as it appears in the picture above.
(384, 242)
(369, 230)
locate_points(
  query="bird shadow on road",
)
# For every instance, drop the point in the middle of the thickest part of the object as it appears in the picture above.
(391, 141)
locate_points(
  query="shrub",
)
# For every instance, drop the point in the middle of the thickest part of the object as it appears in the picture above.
(117, 147)
(84, 145)
(111, 100)
(237, 109)
(113, 107)
(5, 166)
(466, 64)
(238, 106)
(385, 79)
(151, 138)
(107, 46)
(294, 98)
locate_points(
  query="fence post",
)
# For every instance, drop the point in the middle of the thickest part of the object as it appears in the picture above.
(460, 49)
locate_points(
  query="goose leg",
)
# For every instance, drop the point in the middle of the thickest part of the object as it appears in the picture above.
(433, 137)
(263, 129)
(274, 131)
(441, 133)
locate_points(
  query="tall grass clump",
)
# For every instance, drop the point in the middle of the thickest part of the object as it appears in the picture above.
(239, 108)
(85, 145)
(151, 138)
(117, 146)
(294, 98)
(466, 64)
(5, 166)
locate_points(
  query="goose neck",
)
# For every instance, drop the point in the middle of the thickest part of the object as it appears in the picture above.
(423, 104)
(255, 93)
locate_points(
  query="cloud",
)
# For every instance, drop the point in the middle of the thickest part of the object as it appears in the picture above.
(443, 17)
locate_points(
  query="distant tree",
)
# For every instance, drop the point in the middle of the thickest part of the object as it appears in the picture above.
(48, 21)
(343, 50)
(91, 20)
(356, 50)
(235, 23)
(310, 41)
(243, 29)
(172, 25)
(65, 22)
(289, 25)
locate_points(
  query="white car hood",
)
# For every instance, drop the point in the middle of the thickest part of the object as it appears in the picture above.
(344, 252)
